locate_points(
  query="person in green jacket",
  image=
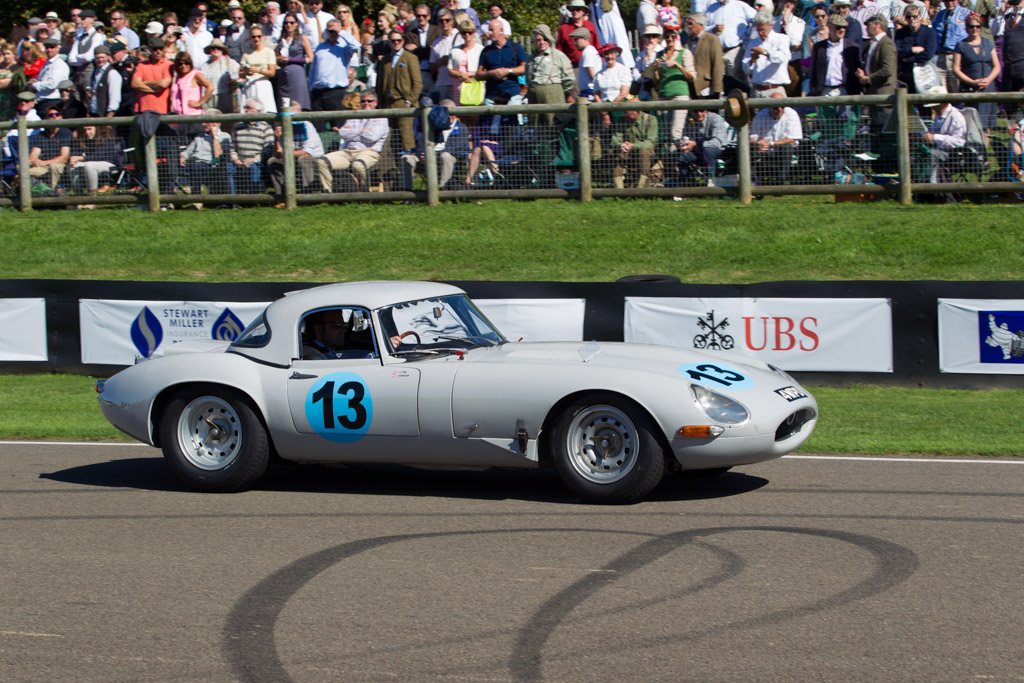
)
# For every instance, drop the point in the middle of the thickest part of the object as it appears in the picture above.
(632, 141)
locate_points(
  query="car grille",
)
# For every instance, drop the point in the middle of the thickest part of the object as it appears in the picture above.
(792, 424)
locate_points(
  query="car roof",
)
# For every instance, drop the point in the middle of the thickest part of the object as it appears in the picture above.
(283, 315)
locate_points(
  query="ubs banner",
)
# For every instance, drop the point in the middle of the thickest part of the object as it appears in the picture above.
(115, 332)
(23, 330)
(811, 335)
(981, 336)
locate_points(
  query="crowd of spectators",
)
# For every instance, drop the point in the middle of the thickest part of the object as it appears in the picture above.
(303, 58)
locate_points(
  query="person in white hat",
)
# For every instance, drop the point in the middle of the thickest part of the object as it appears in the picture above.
(947, 131)
(580, 20)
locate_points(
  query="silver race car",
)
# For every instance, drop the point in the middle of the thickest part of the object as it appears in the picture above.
(412, 372)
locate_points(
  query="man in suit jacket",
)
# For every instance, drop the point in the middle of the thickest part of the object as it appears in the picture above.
(879, 73)
(709, 66)
(841, 78)
(418, 39)
(399, 84)
(236, 37)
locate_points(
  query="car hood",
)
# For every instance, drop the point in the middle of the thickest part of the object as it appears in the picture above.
(640, 357)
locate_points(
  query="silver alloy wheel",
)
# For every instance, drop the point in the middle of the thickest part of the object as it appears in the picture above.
(601, 443)
(209, 433)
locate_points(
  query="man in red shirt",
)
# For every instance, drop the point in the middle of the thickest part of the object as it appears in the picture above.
(152, 81)
(580, 19)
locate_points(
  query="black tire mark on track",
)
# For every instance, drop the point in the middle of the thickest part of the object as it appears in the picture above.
(249, 631)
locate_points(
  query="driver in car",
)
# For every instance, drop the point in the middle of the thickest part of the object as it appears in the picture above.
(330, 338)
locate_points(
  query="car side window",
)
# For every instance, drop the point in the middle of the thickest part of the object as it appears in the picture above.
(337, 333)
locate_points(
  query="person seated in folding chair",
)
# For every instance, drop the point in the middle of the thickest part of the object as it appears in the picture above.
(702, 144)
(451, 147)
(775, 134)
(947, 131)
(49, 152)
(206, 160)
(632, 140)
(361, 142)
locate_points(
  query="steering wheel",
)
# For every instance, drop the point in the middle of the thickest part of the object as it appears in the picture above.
(410, 333)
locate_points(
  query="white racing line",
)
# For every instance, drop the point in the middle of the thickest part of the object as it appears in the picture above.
(867, 458)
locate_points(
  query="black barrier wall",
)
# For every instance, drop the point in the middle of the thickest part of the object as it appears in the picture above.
(914, 314)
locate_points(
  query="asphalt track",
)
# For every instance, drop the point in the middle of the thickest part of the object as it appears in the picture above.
(799, 569)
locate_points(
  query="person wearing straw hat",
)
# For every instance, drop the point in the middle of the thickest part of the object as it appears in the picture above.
(223, 73)
(50, 76)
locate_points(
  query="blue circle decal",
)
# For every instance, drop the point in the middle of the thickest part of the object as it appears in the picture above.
(339, 407)
(716, 376)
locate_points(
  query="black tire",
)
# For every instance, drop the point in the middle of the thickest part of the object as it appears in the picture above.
(213, 439)
(606, 450)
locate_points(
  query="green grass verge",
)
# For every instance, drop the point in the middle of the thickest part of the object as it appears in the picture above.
(860, 419)
(709, 241)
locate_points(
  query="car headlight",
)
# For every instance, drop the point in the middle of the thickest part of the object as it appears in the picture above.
(718, 407)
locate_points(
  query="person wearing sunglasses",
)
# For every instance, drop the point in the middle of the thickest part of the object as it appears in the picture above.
(440, 55)
(399, 85)
(51, 150)
(294, 52)
(976, 64)
(361, 142)
(915, 45)
(420, 35)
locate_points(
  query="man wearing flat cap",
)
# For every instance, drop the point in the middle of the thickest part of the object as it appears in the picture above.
(81, 55)
(70, 106)
(580, 20)
(53, 72)
(589, 63)
(104, 94)
(549, 75)
(834, 63)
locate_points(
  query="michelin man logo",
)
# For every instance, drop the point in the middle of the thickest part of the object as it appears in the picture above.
(1000, 337)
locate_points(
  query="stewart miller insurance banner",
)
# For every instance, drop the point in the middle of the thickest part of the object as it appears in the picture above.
(116, 332)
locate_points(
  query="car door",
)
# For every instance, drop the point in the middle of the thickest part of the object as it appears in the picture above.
(352, 401)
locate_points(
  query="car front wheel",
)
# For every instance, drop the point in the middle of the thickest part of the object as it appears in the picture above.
(213, 440)
(606, 450)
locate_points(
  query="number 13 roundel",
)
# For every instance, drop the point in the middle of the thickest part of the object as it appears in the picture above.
(339, 407)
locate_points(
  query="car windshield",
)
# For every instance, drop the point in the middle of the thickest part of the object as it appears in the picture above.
(436, 325)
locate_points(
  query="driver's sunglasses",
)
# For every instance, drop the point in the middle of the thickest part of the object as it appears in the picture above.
(335, 324)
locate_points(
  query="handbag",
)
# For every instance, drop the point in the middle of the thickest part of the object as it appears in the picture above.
(471, 93)
(926, 76)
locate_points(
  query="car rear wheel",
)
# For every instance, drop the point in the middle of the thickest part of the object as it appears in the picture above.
(606, 450)
(213, 440)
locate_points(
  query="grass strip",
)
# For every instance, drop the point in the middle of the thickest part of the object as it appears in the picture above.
(711, 240)
(859, 420)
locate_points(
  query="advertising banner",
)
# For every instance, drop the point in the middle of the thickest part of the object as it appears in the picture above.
(811, 335)
(536, 319)
(981, 336)
(23, 330)
(115, 332)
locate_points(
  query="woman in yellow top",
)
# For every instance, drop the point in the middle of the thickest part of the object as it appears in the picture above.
(257, 68)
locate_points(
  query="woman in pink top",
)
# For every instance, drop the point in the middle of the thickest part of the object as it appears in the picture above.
(189, 92)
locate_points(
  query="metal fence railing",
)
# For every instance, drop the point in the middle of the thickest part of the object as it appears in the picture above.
(863, 145)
